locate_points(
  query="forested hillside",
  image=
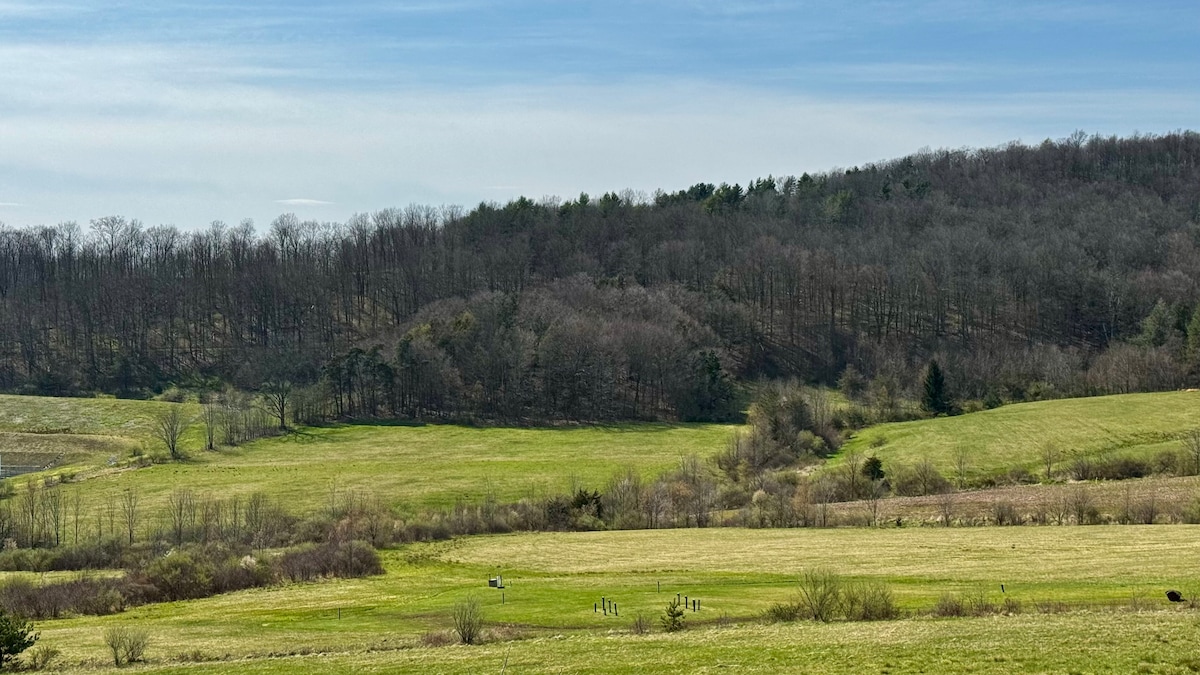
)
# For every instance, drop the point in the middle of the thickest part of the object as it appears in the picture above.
(1028, 271)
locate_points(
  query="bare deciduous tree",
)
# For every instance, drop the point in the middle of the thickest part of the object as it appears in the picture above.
(1191, 445)
(210, 414)
(1049, 457)
(945, 504)
(130, 513)
(168, 428)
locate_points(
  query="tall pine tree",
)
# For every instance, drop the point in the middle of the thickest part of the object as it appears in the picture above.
(934, 398)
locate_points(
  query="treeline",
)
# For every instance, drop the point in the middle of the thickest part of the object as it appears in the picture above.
(1027, 271)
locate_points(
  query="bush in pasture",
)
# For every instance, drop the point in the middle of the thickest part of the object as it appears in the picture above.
(127, 645)
(16, 636)
(976, 603)
(180, 576)
(1191, 512)
(672, 616)
(333, 559)
(439, 638)
(1082, 506)
(868, 601)
(468, 620)
(821, 594)
(641, 624)
(41, 657)
(783, 612)
(949, 604)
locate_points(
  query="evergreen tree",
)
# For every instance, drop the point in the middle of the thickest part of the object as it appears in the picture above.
(872, 469)
(1193, 336)
(16, 636)
(934, 399)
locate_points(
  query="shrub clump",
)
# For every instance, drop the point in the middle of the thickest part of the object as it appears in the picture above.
(868, 601)
(784, 612)
(333, 559)
(468, 620)
(825, 596)
(127, 645)
(821, 594)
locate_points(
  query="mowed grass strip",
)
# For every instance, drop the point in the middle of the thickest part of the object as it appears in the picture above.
(1015, 435)
(1149, 642)
(554, 581)
(1096, 562)
(415, 467)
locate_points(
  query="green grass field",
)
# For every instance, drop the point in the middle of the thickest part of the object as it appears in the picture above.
(1014, 435)
(411, 466)
(1151, 642)
(1111, 577)
(422, 466)
(1116, 574)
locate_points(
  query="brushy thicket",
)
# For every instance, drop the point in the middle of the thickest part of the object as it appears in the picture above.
(826, 596)
(186, 573)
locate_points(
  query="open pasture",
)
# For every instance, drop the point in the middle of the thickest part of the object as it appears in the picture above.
(412, 466)
(994, 441)
(1118, 643)
(420, 466)
(79, 434)
(553, 579)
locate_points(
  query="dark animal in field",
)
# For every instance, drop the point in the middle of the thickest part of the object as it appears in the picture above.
(1175, 596)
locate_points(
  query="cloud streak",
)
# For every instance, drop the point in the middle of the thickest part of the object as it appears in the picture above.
(303, 202)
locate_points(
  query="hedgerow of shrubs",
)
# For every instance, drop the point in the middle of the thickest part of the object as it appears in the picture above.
(183, 574)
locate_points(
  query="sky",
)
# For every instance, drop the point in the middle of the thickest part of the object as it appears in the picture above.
(186, 111)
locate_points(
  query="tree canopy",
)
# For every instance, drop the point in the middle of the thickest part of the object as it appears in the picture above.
(1069, 267)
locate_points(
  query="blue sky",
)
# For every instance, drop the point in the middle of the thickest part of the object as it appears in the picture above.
(187, 112)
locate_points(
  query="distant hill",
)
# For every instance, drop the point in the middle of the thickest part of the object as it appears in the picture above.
(1065, 268)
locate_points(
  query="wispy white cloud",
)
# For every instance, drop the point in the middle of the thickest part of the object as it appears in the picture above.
(303, 202)
(9, 204)
(36, 10)
(186, 132)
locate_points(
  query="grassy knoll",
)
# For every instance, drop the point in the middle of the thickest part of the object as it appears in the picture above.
(1014, 435)
(553, 579)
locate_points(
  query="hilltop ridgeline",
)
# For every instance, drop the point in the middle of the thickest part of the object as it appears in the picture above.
(1066, 268)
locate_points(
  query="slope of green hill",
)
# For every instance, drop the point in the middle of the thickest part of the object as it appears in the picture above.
(411, 465)
(995, 441)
